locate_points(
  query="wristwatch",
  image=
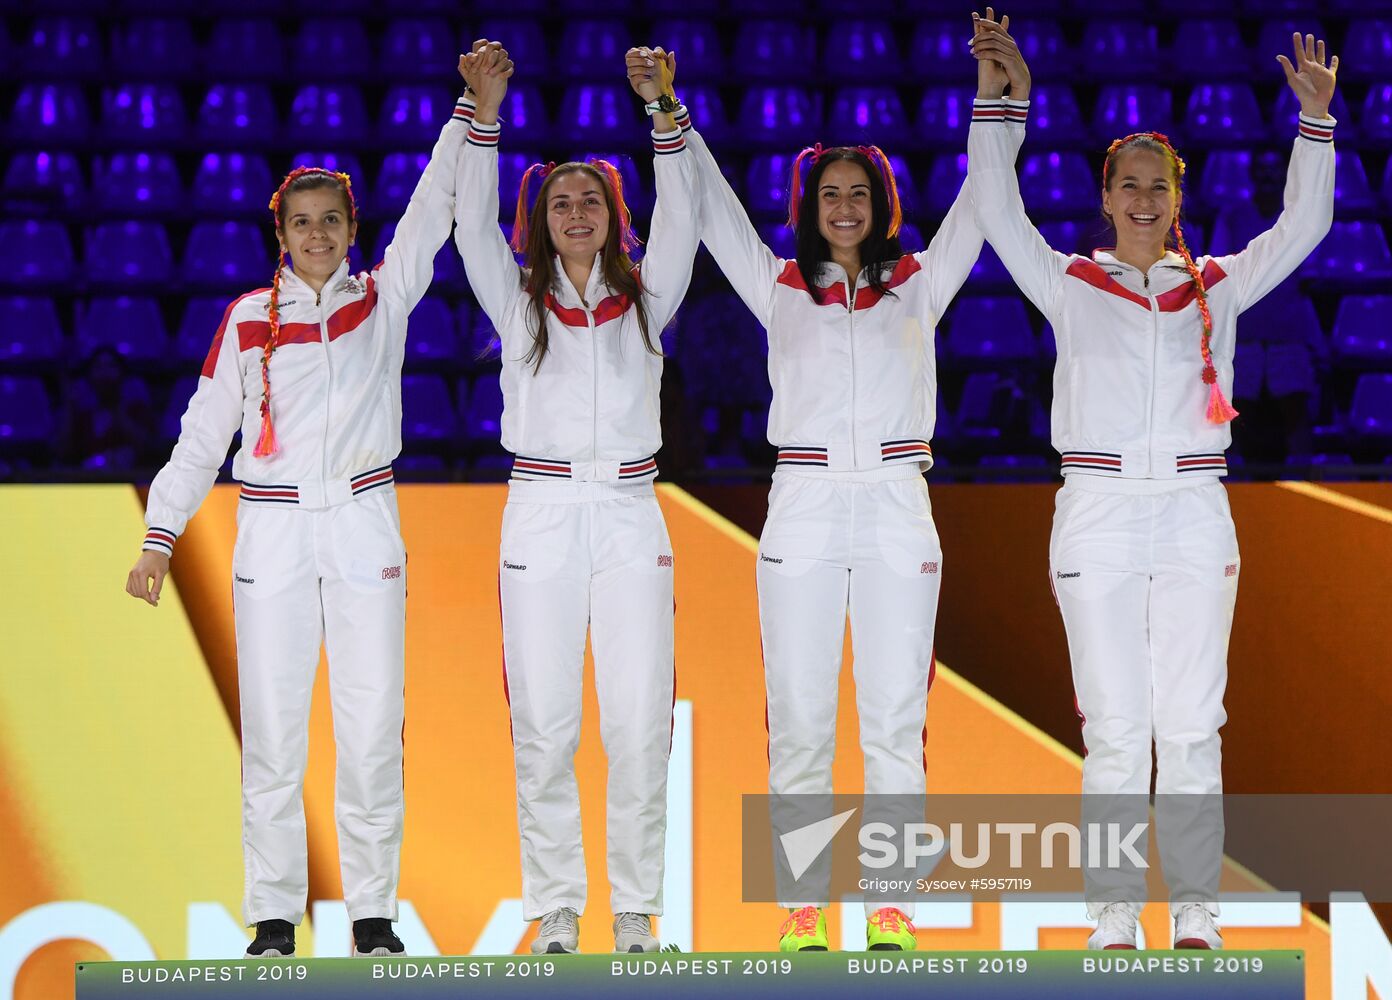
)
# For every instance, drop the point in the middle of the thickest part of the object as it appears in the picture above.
(665, 104)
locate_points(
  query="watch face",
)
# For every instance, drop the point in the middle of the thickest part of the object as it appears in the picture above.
(667, 103)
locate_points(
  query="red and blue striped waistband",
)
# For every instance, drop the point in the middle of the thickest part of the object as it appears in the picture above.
(288, 494)
(527, 468)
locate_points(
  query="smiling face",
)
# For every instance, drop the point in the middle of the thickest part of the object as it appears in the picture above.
(1142, 197)
(577, 215)
(844, 214)
(316, 231)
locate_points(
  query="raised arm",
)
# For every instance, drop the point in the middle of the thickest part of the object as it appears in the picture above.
(493, 272)
(1309, 199)
(991, 149)
(408, 266)
(214, 413)
(674, 236)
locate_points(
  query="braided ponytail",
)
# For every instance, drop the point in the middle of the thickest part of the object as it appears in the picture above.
(299, 179)
(1219, 410)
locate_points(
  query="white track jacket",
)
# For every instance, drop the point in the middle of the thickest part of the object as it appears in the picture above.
(855, 379)
(1129, 399)
(335, 374)
(590, 411)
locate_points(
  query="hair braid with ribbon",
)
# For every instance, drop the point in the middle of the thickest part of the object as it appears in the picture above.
(1219, 410)
(299, 179)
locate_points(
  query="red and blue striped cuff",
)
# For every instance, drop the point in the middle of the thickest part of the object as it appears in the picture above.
(483, 135)
(159, 540)
(1000, 110)
(683, 118)
(667, 143)
(1317, 129)
(464, 110)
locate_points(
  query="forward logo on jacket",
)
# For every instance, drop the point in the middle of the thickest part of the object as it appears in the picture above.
(930, 568)
(665, 562)
(516, 566)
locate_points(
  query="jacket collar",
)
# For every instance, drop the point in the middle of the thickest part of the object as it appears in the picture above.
(1106, 256)
(565, 292)
(290, 282)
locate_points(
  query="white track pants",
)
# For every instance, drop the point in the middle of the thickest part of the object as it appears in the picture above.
(866, 543)
(597, 556)
(301, 577)
(1146, 573)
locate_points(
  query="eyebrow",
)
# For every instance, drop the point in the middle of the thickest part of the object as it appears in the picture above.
(1133, 177)
(558, 197)
(833, 187)
(306, 215)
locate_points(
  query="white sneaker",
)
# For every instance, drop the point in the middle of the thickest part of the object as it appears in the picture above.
(1116, 928)
(1194, 927)
(633, 933)
(559, 934)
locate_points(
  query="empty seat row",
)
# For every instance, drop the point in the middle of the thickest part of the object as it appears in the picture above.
(763, 48)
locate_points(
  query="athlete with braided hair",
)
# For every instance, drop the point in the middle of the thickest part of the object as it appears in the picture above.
(851, 325)
(584, 546)
(1143, 558)
(309, 370)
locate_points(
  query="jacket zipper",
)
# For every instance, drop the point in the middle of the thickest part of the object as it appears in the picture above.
(850, 312)
(1154, 362)
(328, 384)
(594, 406)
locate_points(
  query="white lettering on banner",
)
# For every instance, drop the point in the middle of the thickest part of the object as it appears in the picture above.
(878, 842)
(50, 922)
(1359, 951)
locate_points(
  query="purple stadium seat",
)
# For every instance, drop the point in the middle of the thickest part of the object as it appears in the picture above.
(337, 47)
(34, 252)
(861, 50)
(769, 180)
(698, 43)
(63, 46)
(1287, 107)
(1274, 38)
(1370, 417)
(1367, 49)
(1226, 178)
(1072, 236)
(50, 113)
(911, 238)
(707, 111)
(231, 255)
(202, 316)
(990, 331)
(989, 268)
(594, 48)
(232, 184)
(599, 114)
(396, 181)
(1387, 184)
(132, 326)
(143, 114)
(511, 167)
(943, 116)
(152, 47)
(25, 415)
(1058, 184)
(138, 184)
(1014, 461)
(29, 330)
(332, 113)
(1361, 335)
(524, 40)
(1125, 108)
(38, 182)
(637, 188)
(779, 238)
(418, 48)
(977, 411)
(1236, 225)
(1375, 123)
(936, 48)
(412, 115)
(525, 111)
(430, 336)
(245, 48)
(1042, 44)
(449, 269)
(426, 411)
(1054, 118)
(1118, 49)
(344, 163)
(237, 113)
(184, 388)
(483, 413)
(1353, 251)
(945, 179)
(476, 334)
(774, 49)
(128, 254)
(1222, 114)
(778, 114)
(904, 181)
(1353, 195)
(1209, 49)
(867, 114)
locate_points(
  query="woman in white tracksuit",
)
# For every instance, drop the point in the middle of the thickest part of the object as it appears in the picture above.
(851, 325)
(319, 556)
(584, 544)
(1143, 557)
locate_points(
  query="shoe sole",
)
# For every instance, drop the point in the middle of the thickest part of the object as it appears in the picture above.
(272, 953)
(1119, 947)
(1193, 944)
(556, 948)
(379, 953)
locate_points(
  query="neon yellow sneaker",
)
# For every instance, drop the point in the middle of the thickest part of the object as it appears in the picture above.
(804, 930)
(889, 929)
